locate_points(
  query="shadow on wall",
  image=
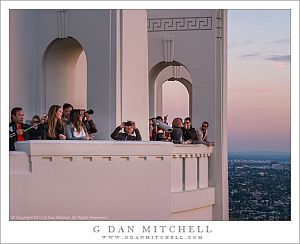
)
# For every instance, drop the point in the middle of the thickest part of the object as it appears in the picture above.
(65, 73)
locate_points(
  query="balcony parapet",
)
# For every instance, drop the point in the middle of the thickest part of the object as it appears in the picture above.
(189, 168)
(58, 178)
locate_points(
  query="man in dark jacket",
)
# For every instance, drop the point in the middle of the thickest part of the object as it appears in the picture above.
(17, 129)
(189, 133)
(127, 135)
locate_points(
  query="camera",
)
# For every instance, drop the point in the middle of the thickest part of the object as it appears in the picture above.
(90, 111)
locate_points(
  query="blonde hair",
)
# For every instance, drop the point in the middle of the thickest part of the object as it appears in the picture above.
(52, 120)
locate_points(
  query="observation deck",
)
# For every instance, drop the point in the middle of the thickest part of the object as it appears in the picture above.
(109, 180)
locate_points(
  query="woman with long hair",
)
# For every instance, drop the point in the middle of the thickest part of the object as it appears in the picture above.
(177, 133)
(75, 128)
(54, 127)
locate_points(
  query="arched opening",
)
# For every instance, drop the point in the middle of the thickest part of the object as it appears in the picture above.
(65, 73)
(168, 74)
(175, 100)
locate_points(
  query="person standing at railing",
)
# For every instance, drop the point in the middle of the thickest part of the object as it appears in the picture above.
(151, 127)
(158, 133)
(129, 128)
(189, 133)
(87, 119)
(202, 135)
(177, 133)
(75, 128)
(54, 129)
(88, 122)
(37, 126)
(17, 129)
(67, 108)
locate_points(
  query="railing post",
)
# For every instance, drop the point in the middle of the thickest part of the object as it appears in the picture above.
(190, 173)
(189, 167)
(176, 174)
(203, 171)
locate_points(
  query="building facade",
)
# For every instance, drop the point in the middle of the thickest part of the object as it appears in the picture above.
(115, 62)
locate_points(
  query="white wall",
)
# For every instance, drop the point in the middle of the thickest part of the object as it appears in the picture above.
(196, 51)
(204, 56)
(62, 82)
(113, 180)
(115, 45)
(22, 61)
(109, 61)
(135, 102)
(80, 82)
(92, 178)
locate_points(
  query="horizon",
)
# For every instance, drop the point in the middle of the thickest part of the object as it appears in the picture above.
(263, 151)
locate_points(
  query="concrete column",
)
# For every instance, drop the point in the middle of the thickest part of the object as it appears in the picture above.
(134, 69)
(218, 164)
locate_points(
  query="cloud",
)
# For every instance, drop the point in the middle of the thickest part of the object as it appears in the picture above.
(250, 55)
(239, 44)
(279, 58)
(251, 91)
(282, 41)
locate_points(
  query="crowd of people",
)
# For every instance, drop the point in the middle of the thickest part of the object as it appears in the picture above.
(61, 123)
(181, 131)
(67, 123)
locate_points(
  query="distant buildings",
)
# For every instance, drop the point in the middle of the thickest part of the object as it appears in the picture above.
(259, 190)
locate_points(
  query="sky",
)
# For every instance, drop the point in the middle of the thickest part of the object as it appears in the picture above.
(181, 103)
(258, 82)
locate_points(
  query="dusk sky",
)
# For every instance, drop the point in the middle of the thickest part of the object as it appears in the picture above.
(258, 81)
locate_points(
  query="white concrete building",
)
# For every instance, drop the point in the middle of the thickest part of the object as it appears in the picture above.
(115, 62)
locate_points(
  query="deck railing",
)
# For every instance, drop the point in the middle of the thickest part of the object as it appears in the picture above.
(107, 180)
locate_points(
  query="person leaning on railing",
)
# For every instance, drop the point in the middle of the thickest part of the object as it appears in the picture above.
(37, 127)
(177, 133)
(129, 128)
(202, 135)
(54, 129)
(17, 129)
(75, 128)
(189, 133)
(88, 122)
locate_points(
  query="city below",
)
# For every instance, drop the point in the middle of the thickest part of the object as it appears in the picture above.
(259, 186)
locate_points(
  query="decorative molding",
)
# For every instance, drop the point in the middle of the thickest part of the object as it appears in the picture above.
(176, 71)
(219, 24)
(168, 43)
(179, 24)
(62, 17)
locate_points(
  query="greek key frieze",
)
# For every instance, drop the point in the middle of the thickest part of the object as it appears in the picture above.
(179, 24)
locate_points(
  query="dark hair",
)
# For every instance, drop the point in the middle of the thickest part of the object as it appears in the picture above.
(75, 119)
(67, 105)
(159, 118)
(188, 118)
(14, 112)
(128, 123)
(177, 123)
(205, 122)
(37, 117)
